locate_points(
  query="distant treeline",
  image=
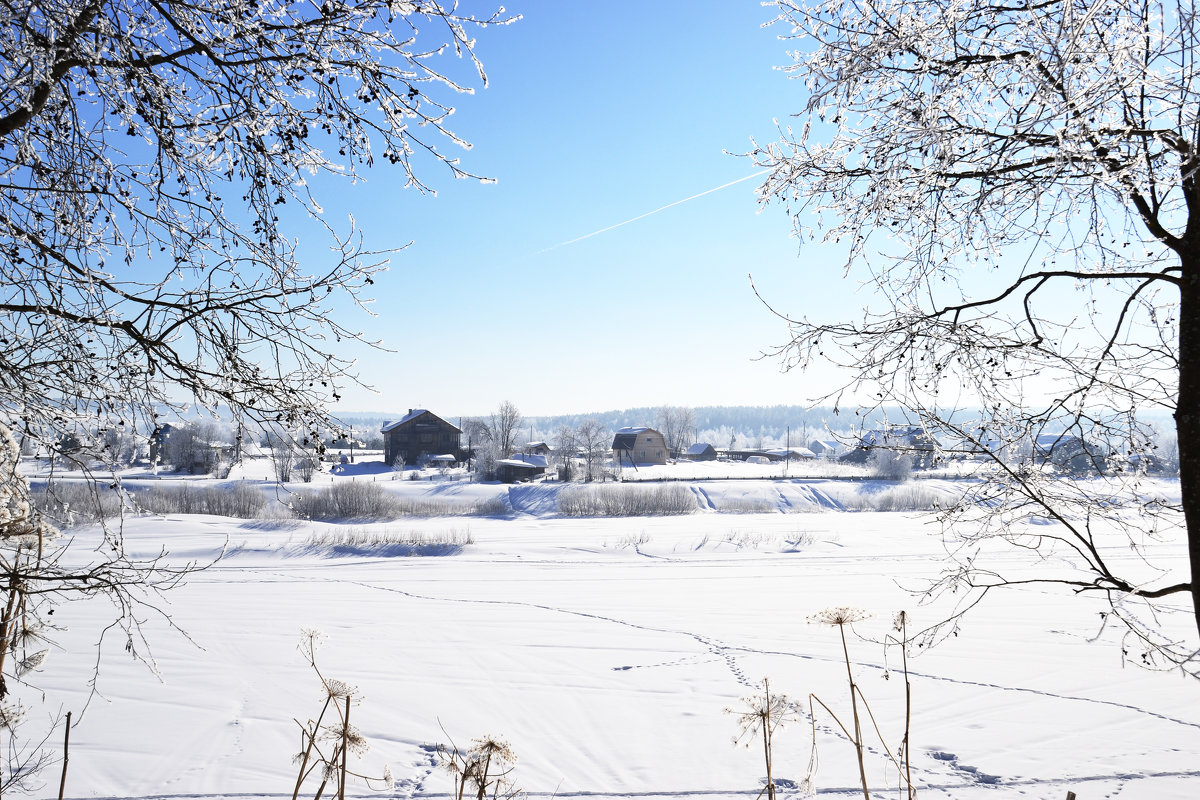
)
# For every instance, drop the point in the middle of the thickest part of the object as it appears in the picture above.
(718, 422)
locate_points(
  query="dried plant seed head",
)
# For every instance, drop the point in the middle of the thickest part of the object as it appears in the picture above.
(356, 742)
(839, 615)
(11, 715)
(900, 620)
(495, 747)
(337, 689)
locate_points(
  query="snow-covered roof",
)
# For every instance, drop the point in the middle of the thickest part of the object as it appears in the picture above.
(517, 462)
(412, 414)
(699, 448)
(795, 452)
(635, 429)
(1048, 440)
(526, 458)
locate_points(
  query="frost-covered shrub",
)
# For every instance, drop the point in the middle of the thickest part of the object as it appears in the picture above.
(626, 501)
(746, 505)
(357, 500)
(389, 542)
(77, 502)
(354, 500)
(442, 507)
(886, 463)
(238, 500)
(905, 497)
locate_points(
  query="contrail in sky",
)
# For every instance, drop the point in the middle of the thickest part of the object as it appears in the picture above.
(649, 213)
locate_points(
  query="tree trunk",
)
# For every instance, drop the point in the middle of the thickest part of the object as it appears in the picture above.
(1187, 412)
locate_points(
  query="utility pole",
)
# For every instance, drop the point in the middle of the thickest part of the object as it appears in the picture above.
(787, 453)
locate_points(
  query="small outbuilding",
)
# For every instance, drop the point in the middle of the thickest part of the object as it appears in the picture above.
(701, 451)
(520, 468)
(825, 448)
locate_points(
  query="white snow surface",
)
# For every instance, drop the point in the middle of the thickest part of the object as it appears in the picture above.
(606, 651)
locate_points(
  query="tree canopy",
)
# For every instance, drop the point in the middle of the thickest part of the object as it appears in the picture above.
(1016, 181)
(147, 149)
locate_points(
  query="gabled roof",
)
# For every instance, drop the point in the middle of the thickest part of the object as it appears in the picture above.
(516, 463)
(412, 415)
(700, 448)
(526, 458)
(795, 452)
(902, 435)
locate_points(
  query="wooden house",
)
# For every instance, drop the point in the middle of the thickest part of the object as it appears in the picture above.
(639, 445)
(419, 431)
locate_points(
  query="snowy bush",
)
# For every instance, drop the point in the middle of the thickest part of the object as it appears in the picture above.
(905, 497)
(885, 463)
(353, 500)
(370, 501)
(77, 502)
(238, 500)
(626, 501)
(364, 541)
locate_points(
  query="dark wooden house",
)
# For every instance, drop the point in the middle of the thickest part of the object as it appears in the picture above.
(420, 432)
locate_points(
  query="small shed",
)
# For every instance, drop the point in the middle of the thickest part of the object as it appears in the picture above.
(520, 468)
(701, 452)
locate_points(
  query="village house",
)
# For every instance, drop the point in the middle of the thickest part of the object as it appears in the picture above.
(825, 448)
(639, 445)
(420, 432)
(909, 440)
(1069, 453)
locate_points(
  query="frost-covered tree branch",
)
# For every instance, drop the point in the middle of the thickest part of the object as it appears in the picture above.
(147, 150)
(1016, 183)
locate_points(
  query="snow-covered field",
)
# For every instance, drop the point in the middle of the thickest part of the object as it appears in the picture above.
(606, 652)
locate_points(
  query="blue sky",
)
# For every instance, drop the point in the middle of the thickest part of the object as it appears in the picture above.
(596, 114)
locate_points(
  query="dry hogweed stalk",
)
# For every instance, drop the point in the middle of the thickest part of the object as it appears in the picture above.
(763, 714)
(484, 770)
(325, 747)
(843, 617)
